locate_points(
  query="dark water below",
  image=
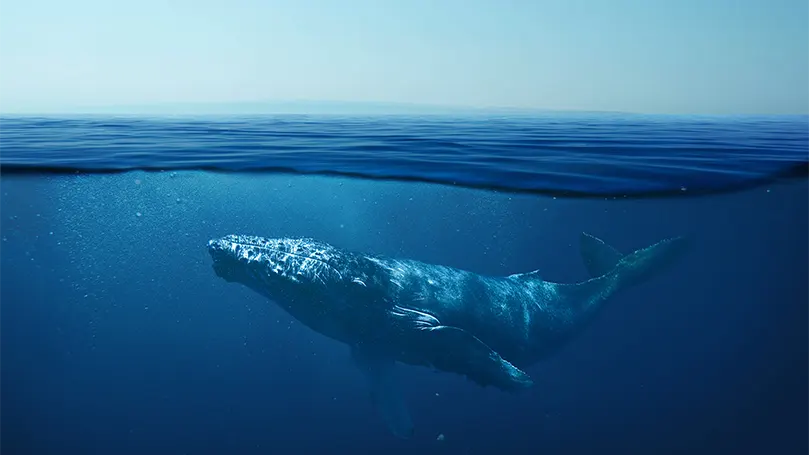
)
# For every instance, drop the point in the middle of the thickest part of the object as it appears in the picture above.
(571, 155)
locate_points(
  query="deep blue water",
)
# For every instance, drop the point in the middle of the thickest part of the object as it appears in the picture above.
(117, 337)
(563, 154)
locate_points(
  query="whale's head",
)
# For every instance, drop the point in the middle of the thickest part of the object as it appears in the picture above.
(252, 260)
(309, 278)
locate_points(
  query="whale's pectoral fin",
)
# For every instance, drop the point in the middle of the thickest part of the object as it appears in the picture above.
(599, 257)
(461, 352)
(385, 391)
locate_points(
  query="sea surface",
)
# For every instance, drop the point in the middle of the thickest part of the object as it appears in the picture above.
(117, 337)
(564, 154)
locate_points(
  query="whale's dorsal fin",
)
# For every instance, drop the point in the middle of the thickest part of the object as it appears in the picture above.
(534, 275)
(386, 393)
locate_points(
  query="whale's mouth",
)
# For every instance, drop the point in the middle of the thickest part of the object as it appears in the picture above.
(222, 271)
(220, 263)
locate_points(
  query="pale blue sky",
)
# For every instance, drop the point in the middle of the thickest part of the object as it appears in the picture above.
(655, 56)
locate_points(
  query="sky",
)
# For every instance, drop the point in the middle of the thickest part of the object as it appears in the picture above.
(647, 56)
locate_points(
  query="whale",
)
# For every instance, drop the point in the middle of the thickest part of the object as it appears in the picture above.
(391, 311)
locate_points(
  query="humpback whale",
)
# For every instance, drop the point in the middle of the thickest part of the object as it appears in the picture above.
(387, 310)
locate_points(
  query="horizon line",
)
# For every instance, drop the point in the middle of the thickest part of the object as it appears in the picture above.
(339, 107)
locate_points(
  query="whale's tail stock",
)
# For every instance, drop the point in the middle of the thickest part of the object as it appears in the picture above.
(612, 271)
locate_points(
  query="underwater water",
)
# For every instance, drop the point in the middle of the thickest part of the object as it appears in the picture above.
(117, 336)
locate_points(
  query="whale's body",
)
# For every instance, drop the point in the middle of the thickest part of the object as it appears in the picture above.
(483, 327)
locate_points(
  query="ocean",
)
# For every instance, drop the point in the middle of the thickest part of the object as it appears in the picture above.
(117, 336)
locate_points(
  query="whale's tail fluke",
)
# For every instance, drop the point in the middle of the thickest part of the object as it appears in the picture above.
(601, 259)
(612, 271)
